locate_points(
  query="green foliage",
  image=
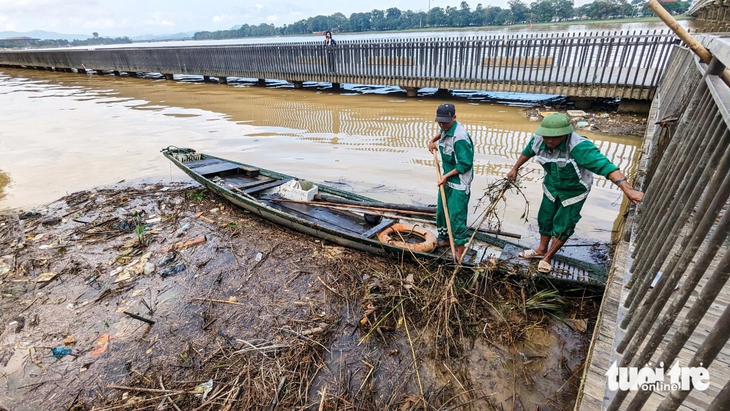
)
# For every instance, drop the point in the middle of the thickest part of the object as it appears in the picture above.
(539, 11)
(520, 12)
(606, 9)
(97, 41)
(673, 7)
(139, 228)
(139, 231)
(546, 300)
(92, 41)
(195, 195)
(546, 11)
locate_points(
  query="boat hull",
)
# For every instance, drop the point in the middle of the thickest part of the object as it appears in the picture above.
(568, 270)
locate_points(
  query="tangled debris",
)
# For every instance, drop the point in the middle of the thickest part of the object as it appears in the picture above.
(602, 119)
(165, 297)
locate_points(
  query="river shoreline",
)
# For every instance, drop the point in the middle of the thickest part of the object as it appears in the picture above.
(267, 316)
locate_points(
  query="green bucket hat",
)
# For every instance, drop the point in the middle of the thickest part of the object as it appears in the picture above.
(555, 125)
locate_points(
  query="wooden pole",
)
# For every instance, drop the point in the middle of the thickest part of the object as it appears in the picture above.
(446, 208)
(360, 207)
(673, 24)
(405, 207)
(487, 213)
(694, 45)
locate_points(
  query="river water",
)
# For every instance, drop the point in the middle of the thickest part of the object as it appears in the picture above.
(65, 132)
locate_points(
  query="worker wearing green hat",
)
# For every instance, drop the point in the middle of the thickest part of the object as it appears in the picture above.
(569, 161)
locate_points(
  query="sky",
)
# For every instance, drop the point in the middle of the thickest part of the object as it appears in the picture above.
(139, 17)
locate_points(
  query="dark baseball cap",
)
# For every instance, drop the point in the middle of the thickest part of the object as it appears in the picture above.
(445, 113)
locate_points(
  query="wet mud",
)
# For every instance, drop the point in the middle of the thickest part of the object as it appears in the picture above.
(169, 298)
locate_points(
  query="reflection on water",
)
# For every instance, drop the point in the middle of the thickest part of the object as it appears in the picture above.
(66, 132)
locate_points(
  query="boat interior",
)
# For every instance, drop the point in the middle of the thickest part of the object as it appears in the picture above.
(267, 188)
(249, 182)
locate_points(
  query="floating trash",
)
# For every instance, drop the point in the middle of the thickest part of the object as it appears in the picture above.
(60, 352)
(204, 388)
(169, 271)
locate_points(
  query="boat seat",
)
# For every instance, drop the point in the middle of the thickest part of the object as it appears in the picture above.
(385, 223)
(210, 170)
(262, 187)
(205, 162)
(243, 183)
(249, 171)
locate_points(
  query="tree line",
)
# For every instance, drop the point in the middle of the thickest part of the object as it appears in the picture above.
(91, 41)
(518, 12)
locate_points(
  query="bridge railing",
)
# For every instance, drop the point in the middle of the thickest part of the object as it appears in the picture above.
(610, 64)
(676, 308)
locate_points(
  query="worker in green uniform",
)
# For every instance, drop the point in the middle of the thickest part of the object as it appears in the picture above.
(569, 161)
(457, 156)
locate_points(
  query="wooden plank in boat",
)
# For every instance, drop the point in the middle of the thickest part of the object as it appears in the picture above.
(339, 220)
(563, 270)
(266, 186)
(378, 228)
(246, 182)
(205, 162)
(511, 254)
(250, 171)
(216, 168)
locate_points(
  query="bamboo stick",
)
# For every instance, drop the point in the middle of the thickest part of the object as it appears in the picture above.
(405, 207)
(333, 205)
(694, 45)
(124, 388)
(446, 208)
(487, 213)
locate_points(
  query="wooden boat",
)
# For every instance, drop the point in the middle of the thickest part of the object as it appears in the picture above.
(349, 219)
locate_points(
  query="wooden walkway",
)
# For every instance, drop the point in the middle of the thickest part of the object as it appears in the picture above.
(687, 239)
(609, 64)
(607, 334)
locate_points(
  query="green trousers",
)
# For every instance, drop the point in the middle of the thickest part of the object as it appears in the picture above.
(557, 221)
(458, 203)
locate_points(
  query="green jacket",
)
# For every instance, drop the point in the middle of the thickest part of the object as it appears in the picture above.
(457, 152)
(569, 167)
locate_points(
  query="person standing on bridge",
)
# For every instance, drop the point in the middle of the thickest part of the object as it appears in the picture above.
(457, 156)
(329, 44)
(569, 161)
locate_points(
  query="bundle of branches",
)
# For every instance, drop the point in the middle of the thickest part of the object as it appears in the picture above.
(446, 311)
(460, 302)
(495, 305)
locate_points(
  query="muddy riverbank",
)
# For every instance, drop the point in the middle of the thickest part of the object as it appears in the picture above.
(167, 297)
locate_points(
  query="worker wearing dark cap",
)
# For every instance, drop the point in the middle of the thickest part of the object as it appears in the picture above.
(457, 156)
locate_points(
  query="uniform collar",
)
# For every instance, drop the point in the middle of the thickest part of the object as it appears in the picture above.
(450, 131)
(560, 146)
